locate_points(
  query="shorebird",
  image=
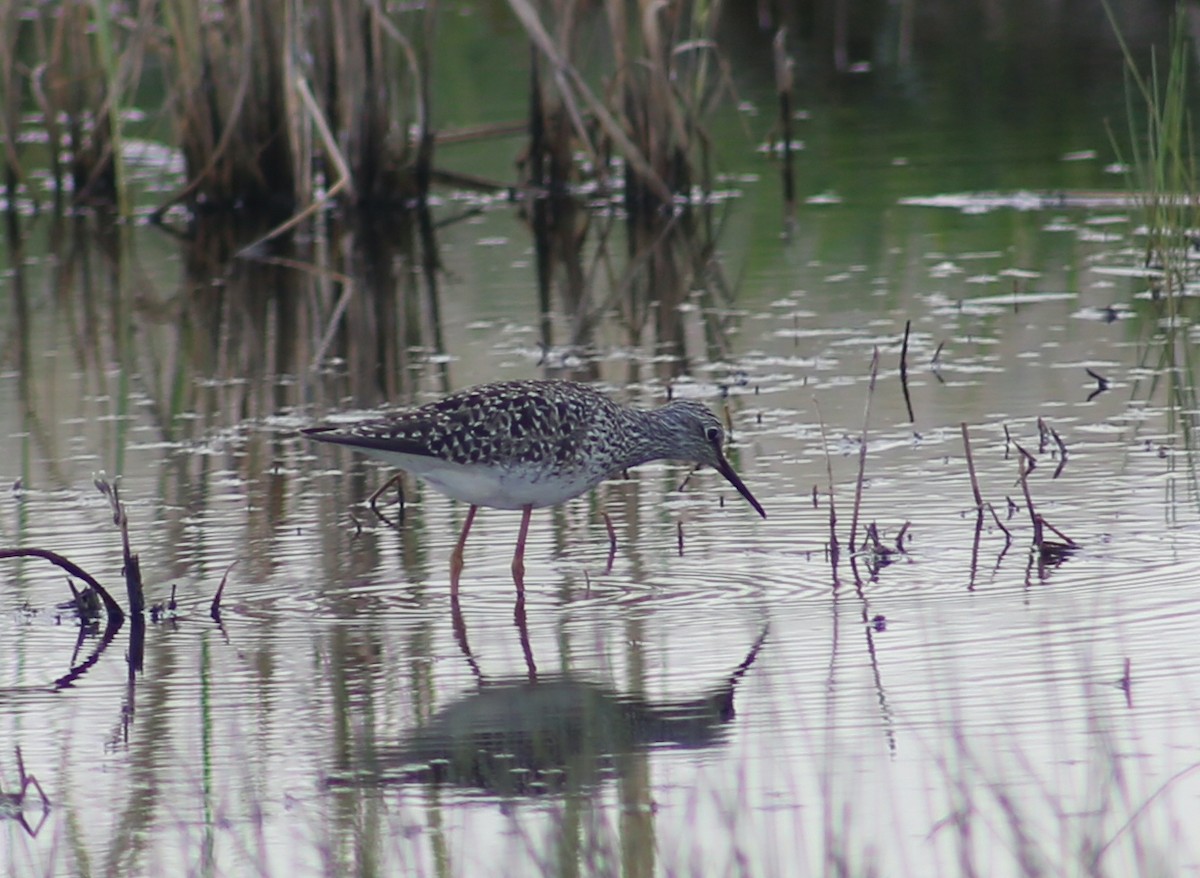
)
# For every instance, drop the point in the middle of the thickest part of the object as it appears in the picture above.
(531, 444)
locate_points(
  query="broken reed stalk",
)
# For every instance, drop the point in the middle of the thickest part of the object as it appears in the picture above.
(999, 523)
(1035, 519)
(132, 569)
(1039, 523)
(862, 449)
(115, 614)
(833, 537)
(1043, 434)
(1026, 456)
(1062, 453)
(935, 361)
(971, 467)
(215, 609)
(1058, 533)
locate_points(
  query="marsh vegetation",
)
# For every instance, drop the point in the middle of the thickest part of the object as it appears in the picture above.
(932, 263)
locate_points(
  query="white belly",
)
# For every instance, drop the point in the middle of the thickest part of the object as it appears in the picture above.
(479, 485)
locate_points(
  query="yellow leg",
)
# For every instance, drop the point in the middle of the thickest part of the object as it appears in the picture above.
(612, 542)
(518, 564)
(398, 481)
(456, 557)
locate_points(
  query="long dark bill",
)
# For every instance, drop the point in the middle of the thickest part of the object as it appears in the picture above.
(726, 470)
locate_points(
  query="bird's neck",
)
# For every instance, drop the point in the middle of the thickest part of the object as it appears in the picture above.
(647, 435)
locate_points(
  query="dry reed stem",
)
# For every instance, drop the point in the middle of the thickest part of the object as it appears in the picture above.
(862, 448)
(229, 129)
(833, 538)
(971, 467)
(568, 79)
(414, 66)
(334, 153)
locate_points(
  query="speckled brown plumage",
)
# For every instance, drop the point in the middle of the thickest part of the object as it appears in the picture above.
(533, 443)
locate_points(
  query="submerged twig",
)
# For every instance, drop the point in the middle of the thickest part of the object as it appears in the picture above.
(881, 555)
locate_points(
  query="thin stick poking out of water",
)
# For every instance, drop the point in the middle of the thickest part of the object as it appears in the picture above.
(904, 372)
(1000, 524)
(132, 568)
(833, 539)
(1023, 470)
(862, 449)
(215, 609)
(971, 468)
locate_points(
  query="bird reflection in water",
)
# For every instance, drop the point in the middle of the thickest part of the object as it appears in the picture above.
(550, 733)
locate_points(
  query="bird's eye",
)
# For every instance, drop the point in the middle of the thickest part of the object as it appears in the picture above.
(713, 434)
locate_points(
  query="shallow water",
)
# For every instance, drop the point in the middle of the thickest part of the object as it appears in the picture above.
(723, 700)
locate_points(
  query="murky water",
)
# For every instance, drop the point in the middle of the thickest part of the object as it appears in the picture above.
(724, 700)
